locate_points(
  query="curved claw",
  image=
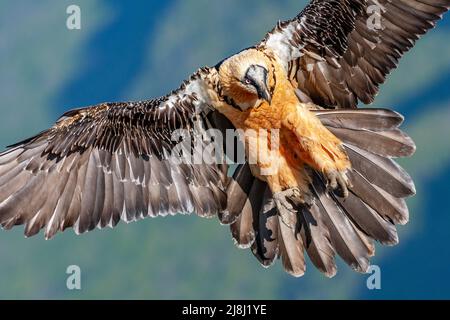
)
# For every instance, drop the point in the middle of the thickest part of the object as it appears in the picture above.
(338, 180)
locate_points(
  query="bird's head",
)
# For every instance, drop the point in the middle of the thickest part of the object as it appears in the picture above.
(245, 78)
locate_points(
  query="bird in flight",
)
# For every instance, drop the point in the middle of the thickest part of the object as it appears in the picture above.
(322, 182)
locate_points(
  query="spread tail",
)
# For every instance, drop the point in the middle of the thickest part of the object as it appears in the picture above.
(331, 224)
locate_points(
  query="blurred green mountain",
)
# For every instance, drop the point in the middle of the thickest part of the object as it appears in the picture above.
(145, 49)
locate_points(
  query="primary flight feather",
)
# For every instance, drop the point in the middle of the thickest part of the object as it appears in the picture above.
(328, 186)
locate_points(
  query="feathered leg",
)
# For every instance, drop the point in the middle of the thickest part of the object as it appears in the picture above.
(318, 147)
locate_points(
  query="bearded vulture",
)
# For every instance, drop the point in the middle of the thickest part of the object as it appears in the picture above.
(317, 174)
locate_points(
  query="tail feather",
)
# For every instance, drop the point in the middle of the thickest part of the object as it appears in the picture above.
(392, 208)
(237, 194)
(316, 238)
(392, 143)
(242, 229)
(266, 247)
(365, 239)
(342, 233)
(255, 227)
(381, 171)
(369, 220)
(361, 119)
(291, 250)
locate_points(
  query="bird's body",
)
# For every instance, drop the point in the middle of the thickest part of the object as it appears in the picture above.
(303, 140)
(318, 175)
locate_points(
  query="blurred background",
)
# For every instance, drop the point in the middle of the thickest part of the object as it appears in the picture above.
(128, 50)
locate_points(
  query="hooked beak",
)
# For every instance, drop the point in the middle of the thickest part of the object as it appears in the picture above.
(264, 94)
(257, 76)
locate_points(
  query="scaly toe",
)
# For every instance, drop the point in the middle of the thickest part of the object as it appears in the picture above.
(286, 202)
(338, 180)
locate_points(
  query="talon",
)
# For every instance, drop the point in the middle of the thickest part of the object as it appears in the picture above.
(338, 180)
(291, 196)
(281, 200)
(286, 202)
(332, 183)
(342, 181)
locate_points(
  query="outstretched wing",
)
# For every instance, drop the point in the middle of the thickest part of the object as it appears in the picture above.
(111, 162)
(338, 52)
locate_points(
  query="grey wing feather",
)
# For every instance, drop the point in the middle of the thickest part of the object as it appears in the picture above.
(338, 52)
(111, 162)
